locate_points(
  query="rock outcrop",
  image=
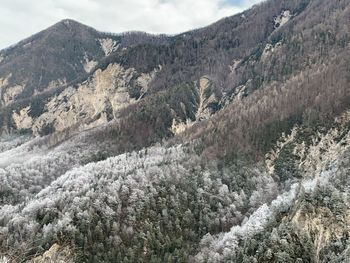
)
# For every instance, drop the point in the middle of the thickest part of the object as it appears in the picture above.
(93, 102)
(56, 254)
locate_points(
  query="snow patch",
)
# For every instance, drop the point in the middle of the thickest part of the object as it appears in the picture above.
(27, 45)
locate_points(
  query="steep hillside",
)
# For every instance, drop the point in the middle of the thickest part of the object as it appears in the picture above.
(36, 69)
(167, 204)
(229, 143)
(215, 52)
(57, 56)
(49, 59)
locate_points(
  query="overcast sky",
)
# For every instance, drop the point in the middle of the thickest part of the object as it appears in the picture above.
(22, 18)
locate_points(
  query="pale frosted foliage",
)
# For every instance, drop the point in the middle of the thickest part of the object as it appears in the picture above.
(50, 194)
(118, 190)
(228, 242)
(76, 187)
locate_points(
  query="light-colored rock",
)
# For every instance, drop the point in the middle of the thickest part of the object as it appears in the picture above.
(178, 127)
(234, 65)
(239, 92)
(11, 93)
(56, 254)
(283, 18)
(143, 81)
(22, 120)
(52, 85)
(269, 48)
(1, 58)
(93, 102)
(108, 45)
(89, 64)
(4, 81)
(324, 149)
(206, 97)
(322, 226)
(273, 154)
(56, 83)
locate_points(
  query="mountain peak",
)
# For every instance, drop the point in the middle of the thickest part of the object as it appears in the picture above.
(71, 24)
(68, 21)
(230, 143)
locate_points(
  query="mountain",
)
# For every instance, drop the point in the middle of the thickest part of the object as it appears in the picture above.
(57, 56)
(229, 143)
(205, 53)
(51, 58)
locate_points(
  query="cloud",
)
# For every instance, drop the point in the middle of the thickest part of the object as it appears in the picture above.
(22, 18)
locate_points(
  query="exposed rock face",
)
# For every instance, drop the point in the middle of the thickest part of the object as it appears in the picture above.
(310, 156)
(93, 102)
(65, 51)
(22, 119)
(324, 221)
(234, 65)
(283, 18)
(208, 100)
(269, 48)
(56, 254)
(3, 84)
(322, 226)
(89, 64)
(11, 93)
(108, 45)
(178, 127)
(103, 188)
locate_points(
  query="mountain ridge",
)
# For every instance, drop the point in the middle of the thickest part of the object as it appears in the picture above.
(230, 143)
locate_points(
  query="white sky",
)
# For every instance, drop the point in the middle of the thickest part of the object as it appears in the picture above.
(22, 18)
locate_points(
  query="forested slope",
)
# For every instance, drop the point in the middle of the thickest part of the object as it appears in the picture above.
(229, 143)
